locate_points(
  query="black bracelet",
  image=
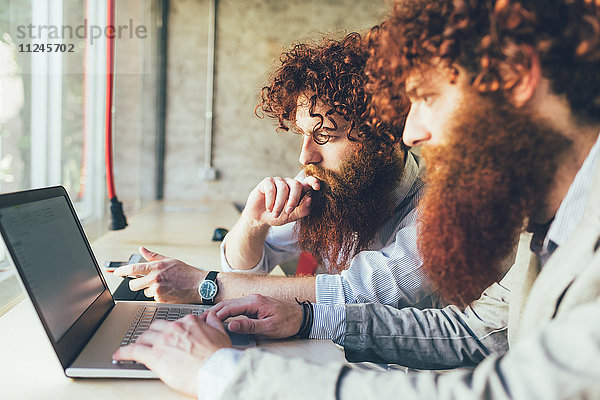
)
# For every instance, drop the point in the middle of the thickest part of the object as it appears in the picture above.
(307, 319)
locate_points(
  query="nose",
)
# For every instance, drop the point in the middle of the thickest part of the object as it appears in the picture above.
(415, 131)
(310, 153)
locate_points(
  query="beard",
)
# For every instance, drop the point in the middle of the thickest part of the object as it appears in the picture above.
(350, 206)
(482, 185)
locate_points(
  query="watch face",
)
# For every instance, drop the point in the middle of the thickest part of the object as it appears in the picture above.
(208, 289)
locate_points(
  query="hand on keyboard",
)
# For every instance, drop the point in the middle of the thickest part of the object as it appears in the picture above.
(175, 350)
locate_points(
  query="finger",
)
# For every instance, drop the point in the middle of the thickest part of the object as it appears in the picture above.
(159, 325)
(202, 316)
(295, 194)
(150, 337)
(246, 326)
(141, 283)
(267, 187)
(137, 352)
(281, 198)
(158, 331)
(213, 321)
(234, 309)
(220, 305)
(150, 255)
(216, 308)
(150, 291)
(135, 269)
(310, 182)
(302, 210)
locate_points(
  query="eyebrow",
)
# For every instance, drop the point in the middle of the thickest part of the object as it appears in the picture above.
(414, 86)
(418, 87)
(412, 93)
(310, 131)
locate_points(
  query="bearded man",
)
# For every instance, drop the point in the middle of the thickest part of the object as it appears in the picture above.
(505, 100)
(352, 206)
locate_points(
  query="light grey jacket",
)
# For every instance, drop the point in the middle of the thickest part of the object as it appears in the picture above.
(550, 318)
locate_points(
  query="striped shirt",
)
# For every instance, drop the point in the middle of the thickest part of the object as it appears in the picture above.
(388, 272)
(571, 209)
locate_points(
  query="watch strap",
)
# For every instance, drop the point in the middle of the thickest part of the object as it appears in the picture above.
(212, 276)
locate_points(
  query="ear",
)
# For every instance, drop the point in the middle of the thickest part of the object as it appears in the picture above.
(525, 88)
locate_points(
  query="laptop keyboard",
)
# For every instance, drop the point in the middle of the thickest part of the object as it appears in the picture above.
(148, 314)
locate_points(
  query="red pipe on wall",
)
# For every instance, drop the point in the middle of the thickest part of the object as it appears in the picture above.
(110, 68)
(116, 207)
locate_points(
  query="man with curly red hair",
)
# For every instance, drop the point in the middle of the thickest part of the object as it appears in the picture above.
(505, 100)
(352, 207)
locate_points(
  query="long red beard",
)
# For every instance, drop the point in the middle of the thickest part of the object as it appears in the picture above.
(494, 172)
(349, 209)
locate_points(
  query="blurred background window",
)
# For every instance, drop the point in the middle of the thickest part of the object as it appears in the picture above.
(51, 107)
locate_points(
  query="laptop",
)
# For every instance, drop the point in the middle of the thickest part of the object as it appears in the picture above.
(58, 270)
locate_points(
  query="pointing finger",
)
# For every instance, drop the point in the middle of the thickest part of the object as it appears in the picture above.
(150, 255)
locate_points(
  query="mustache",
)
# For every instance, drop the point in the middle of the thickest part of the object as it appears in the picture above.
(333, 184)
(322, 174)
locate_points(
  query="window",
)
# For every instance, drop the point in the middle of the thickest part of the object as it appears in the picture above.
(52, 88)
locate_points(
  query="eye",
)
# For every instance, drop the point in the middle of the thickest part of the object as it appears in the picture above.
(428, 99)
(321, 138)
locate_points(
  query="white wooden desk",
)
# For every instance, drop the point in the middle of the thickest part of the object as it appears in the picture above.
(28, 366)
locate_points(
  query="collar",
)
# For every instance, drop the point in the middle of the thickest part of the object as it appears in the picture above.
(410, 181)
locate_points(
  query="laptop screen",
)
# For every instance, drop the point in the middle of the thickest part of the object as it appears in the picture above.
(54, 258)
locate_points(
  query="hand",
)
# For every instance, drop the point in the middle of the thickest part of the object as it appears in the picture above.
(266, 316)
(278, 201)
(166, 279)
(176, 350)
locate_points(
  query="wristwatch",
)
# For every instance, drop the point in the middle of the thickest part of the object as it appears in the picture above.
(208, 288)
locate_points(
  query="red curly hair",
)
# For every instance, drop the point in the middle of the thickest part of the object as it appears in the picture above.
(333, 72)
(490, 39)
